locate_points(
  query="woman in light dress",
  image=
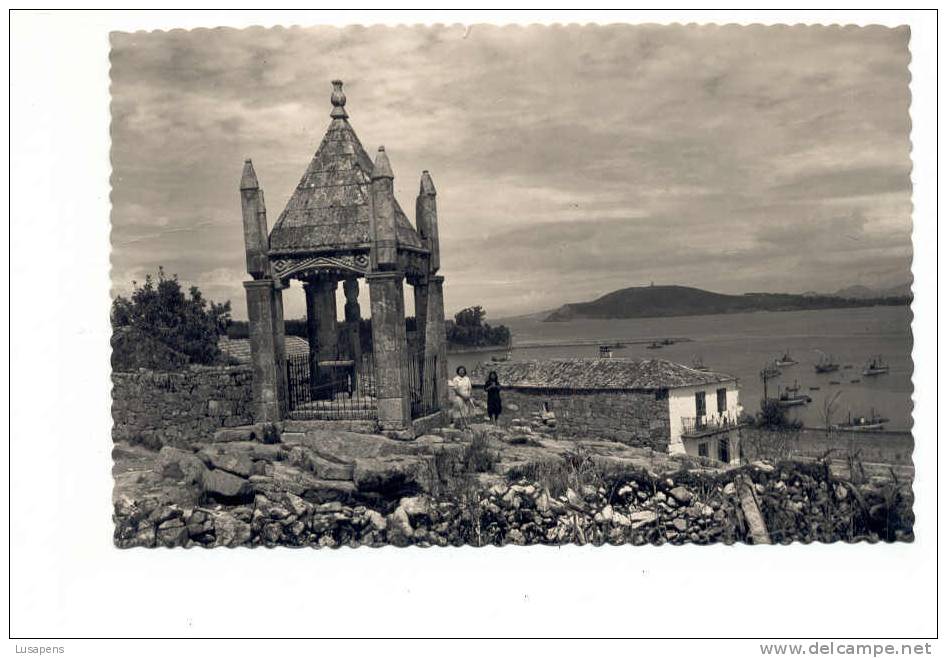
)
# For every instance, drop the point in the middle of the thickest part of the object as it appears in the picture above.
(463, 392)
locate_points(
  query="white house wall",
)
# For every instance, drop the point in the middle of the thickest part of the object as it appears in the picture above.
(682, 403)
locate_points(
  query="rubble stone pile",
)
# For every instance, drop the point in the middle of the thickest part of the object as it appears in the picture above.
(345, 489)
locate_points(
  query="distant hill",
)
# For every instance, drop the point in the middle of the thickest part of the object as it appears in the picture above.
(864, 292)
(670, 301)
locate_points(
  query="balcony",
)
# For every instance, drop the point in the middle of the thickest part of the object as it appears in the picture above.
(695, 427)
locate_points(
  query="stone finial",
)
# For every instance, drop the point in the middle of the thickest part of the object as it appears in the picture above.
(382, 168)
(338, 101)
(248, 180)
(427, 185)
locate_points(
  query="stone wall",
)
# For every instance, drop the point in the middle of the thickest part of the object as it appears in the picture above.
(636, 419)
(180, 408)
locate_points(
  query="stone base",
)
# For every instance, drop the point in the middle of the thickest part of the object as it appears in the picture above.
(362, 426)
(425, 424)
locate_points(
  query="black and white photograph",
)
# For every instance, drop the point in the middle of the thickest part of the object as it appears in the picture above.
(474, 324)
(652, 285)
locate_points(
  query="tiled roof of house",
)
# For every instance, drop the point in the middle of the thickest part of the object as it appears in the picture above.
(239, 348)
(330, 208)
(597, 374)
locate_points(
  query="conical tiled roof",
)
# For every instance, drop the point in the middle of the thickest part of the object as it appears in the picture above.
(330, 209)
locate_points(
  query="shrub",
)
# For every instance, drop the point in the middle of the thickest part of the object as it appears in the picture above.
(171, 329)
(478, 457)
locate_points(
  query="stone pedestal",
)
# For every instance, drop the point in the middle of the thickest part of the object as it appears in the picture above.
(265, 311)
(386, 290)
(321, 333)
(435, 335)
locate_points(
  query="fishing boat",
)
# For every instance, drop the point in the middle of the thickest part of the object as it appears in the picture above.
(789, 398)
(698, 364)
(834, 383)
(863, 423)
(770, 371)
(815, 388)
(667, 341)
(785, 360)
(875, 366)
(794, 388)
(826, 364)
(655, 346)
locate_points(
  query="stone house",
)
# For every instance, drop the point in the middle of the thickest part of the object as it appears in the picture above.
(652, 403)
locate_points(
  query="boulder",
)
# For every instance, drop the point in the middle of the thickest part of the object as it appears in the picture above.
(259, 432)
(416, 507)
(681, 495)
(376, 520)
(286, 478)
(172, 532)
(515, 536)
(199, 524)
(322, 466)
(226, 485)
(644, 517)
(399, 524)
(238, 464)
(679, 524)
(180, 465)
(389, 475)
(297, 505)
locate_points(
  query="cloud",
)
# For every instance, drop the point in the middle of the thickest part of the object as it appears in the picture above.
(568, 161)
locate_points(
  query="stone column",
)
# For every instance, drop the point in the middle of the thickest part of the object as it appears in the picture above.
(386, 290)
(435, 335)
(353, 319)
(255, 234)
(279, 345)
(264, 310)
(321, 333)
(384, 253)
(420, 313)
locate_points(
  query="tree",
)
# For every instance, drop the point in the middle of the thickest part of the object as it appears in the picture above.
(470, 317)
(179, 328)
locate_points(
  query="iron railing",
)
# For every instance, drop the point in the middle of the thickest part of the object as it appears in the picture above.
(422, 384)
(341, 390)
(705, 425)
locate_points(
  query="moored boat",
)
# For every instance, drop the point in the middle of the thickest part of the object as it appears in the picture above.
(792, 399)
(876, 366)
(785, 360)
(826, 364)
(863, 423)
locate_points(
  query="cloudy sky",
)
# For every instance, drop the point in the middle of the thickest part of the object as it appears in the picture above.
(569, 161)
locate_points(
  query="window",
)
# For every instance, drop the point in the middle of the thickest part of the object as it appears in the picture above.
(721, 400)
(661, 394)
(723, 450)
(701, 399)
(702, 449)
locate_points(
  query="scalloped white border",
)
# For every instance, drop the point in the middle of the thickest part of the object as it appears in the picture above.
(68, 580)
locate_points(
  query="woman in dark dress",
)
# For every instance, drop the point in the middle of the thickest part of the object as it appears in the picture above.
(494, 405)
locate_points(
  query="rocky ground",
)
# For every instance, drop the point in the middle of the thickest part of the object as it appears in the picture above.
(514, 485)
